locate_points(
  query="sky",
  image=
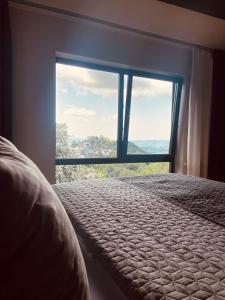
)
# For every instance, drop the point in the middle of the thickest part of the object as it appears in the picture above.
(87, 101)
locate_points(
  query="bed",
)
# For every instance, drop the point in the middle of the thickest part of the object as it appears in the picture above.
(159, 236)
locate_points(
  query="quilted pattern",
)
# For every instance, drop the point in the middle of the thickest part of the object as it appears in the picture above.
(200, 196)
(153, 248)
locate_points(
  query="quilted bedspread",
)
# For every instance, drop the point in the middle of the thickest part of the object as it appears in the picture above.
(160, 236)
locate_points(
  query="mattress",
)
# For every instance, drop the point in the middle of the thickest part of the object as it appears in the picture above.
(159, 236)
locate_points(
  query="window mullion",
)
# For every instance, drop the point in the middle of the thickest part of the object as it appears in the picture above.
(120, 116)
(127, 114)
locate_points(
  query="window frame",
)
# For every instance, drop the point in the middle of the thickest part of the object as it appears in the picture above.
(123, 118)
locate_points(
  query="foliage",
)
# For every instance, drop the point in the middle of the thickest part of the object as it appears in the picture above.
(98, 147)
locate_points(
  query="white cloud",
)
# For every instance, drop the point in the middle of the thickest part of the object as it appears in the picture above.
(79, 112)
(109, 119)
(105, 84)
(71, 114)
(64, 91)
(83, 122)
(144, 87)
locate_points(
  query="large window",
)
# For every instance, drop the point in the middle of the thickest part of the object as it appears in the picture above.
(114, 122)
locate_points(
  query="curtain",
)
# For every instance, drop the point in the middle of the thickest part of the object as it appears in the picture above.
(194, 120)
(217, 132)
(5, 71)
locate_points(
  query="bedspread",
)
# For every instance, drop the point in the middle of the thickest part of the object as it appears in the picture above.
(160, 236)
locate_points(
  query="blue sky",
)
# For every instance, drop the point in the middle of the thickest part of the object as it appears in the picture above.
(87, 101)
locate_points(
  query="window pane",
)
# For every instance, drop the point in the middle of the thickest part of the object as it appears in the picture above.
(86, 112)
(150, 116)
(80, 172)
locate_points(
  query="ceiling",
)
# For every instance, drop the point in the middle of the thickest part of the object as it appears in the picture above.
(215, 8)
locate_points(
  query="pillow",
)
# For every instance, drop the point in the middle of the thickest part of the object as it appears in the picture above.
(39, 253)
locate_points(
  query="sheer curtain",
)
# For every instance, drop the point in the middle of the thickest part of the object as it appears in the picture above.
(5, 71)
(194, 122)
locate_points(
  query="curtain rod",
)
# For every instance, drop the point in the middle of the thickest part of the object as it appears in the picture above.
(107, 23)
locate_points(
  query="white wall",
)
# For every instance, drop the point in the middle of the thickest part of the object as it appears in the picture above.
(36, 39)
(151, 16)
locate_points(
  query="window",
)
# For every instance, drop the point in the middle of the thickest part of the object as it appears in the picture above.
(114, 122)
(150, 116)
(87, 102)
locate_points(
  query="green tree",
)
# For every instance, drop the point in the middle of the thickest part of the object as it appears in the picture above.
(62, 141)
(98, 147)
(64, 173)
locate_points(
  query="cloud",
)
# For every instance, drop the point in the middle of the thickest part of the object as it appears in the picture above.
(105, 84)
(151, 88)
(78, 112)
(85, 80)
(109, 119)
(64, 91)
(82, 122)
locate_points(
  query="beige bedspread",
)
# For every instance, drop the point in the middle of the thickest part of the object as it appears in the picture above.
(160, 236)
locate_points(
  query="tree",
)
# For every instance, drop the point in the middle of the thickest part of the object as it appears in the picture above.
(95, 146)
(64, 173)
(62, 141)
